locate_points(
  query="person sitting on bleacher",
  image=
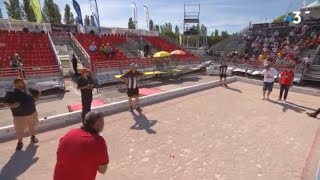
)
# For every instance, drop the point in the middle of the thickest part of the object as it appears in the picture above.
(109, 51)
(103, 49)
(16, 62)
(93, 47)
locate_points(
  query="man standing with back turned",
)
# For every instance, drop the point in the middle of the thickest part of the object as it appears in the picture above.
(82, 151)
(131, 79)
(85, 84)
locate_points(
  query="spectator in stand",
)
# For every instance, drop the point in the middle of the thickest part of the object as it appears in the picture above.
(93, 47)
(75, 64)
(146, 50)
(103, 49)
(109, 51)
(314, 114)
(16, 64)
(25, 29)
(290, 56)
(268, 80)
(23, 107)
(286, 80)
(307, 61)
(313, 34)
(253, 58)
(82, 151)
(86, 85)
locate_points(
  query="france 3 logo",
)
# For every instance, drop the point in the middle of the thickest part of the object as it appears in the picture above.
(295, 17)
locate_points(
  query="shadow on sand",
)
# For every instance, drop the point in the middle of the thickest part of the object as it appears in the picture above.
(143, 123)
(19, 163)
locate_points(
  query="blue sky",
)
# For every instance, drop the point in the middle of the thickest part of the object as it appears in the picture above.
(230, 15)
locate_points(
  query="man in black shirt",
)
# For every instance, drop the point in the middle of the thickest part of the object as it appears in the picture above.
(22, 104)
(75, 65)
(85, 84)
(223, 74)
(131, 79)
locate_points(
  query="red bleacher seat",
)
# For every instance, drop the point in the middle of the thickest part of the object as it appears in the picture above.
(85, 40)
(33, 48)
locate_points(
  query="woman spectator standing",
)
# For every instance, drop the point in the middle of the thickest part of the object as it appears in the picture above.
(286, 81)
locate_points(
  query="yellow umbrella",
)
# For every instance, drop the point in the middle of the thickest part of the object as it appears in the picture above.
(178, 52)
(161, 54)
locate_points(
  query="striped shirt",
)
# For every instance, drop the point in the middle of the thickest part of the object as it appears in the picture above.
(132, 79)
(223, 69)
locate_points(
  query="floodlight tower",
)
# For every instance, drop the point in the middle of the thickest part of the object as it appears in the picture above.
(192, 19)
(191, 16)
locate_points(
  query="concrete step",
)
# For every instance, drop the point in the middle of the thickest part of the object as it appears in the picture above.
(312, 76)
(315, 68)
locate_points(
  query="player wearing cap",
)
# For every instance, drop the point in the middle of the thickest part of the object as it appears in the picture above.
(85, 84)
(131, 79)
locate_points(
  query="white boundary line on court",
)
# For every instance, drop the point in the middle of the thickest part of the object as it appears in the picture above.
(317, 175)
(66, 119)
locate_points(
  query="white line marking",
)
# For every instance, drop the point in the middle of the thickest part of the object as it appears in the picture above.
(74, 90)
(317, 175)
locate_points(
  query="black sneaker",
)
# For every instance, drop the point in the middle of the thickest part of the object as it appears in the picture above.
(34, 139)
(131, 109)
(138, 109)
(19, 146)
(311, 115)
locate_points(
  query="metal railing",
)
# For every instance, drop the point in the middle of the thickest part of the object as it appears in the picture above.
(80, 51)
(53, 48)
(30, 72)
(132, 42)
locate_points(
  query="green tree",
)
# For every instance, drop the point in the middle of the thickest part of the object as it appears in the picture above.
(87, 21)
(92, 21)
(224, 34)
(28, 11)
(203, 30)
(157, 28)
(72, 19)
(151, 28)
(170, 27)
(198, 28)
(216, 32)
(176, 29)
(68, 15)
(170, 34)
(1, 16)
(14, 9)
(51, 12)
(131, 24)
(280, 19)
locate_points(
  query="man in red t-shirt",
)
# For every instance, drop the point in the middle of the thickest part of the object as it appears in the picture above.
(286, 81)
(82, 152)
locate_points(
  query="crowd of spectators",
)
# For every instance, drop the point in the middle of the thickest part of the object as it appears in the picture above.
(280, 46)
